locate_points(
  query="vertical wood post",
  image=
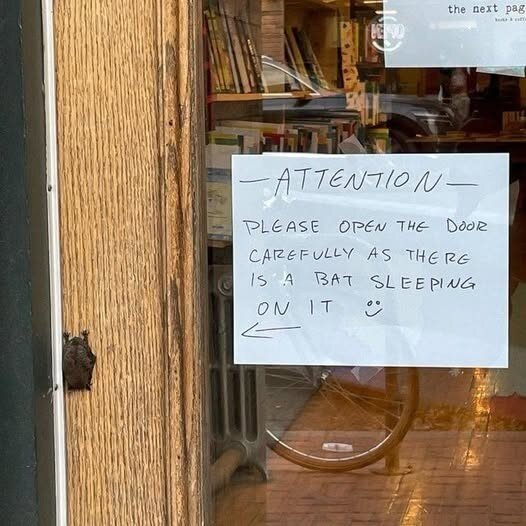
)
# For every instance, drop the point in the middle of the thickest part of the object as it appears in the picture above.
(182, 138)
(130, 132)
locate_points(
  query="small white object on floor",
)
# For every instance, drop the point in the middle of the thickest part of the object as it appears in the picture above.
(337, 447)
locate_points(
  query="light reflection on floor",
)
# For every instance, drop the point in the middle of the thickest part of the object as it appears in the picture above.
(467, 450)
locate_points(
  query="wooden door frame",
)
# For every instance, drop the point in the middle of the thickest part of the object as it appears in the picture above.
(27, 453)
(183, 143)
(130, 112)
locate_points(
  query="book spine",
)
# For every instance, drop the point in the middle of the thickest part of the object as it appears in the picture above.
(356, 41)
(309, 58)
(318, 71)
(238, 53)
(229, 47)
(300, 39)
(214, 79)
(222, 49)
(215, 51)
(362, 36)
(246, 55)
(289, 58)
(298, 59)
(211, 78)
(255, 59)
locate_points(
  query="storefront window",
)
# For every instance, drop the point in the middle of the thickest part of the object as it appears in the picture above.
(312, 438)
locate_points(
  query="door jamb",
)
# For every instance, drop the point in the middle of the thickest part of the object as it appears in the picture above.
(182, 145)
(59, 428)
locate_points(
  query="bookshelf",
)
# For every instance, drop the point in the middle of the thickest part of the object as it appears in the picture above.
(302, 34)
(303, 39)
(240, 97)
(232, 36)
(318, 21)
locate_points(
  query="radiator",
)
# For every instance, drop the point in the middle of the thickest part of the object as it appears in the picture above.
(237, 392)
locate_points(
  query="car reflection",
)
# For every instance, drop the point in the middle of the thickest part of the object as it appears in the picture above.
(407, 116)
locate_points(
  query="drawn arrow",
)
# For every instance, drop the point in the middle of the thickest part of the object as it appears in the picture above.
(250, 332)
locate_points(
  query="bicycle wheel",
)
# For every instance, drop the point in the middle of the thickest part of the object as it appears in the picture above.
(339, 418)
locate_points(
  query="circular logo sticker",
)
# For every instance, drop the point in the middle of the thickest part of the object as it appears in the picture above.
(387, 34)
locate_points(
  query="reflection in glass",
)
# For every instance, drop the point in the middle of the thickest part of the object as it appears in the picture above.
(308, 76)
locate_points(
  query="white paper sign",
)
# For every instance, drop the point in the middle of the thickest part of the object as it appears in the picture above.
(368, 260)
(444, 33)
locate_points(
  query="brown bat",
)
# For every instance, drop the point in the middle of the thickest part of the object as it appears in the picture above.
(77, 361)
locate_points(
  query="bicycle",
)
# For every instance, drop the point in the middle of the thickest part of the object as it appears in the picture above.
(338, 419)
(322, 418)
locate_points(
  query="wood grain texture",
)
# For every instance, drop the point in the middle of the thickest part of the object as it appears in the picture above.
(273, 29)
(110, 189)
(184, 249)
(132, 231)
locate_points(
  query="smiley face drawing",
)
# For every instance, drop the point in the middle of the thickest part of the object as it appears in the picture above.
(369, 305)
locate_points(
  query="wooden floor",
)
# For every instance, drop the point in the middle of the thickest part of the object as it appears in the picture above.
(468, 467)
(467, 450)
(459, 478)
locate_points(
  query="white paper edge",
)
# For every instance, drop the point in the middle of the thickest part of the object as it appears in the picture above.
(301, 154)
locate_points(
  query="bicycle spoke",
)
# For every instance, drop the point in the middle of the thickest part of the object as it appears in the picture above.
(291, 386)
(324, 396)
(294, 380)
(345, 393)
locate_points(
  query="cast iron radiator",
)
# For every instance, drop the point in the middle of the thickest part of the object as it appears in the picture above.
(236, 392)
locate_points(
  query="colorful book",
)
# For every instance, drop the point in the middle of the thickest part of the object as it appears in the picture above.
(310, 61)
(222, 46)
(296, 53)
(227, 44)
(237, 46)
(251, 55)
(214, 53)
(251, 138)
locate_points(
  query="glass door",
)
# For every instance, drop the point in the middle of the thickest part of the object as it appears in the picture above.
(432, 431)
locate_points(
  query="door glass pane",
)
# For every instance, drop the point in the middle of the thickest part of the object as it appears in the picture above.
(330, 445)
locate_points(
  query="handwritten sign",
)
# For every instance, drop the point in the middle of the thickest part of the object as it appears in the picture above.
(378, 260)
(452, 33)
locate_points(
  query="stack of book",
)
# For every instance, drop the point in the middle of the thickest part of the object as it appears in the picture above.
(234, 62)
(513, 119)
(246, 137)
(300, 56)
(302, 136)
(363, 95)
